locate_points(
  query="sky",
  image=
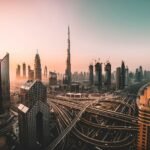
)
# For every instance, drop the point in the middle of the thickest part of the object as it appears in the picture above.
(113, 30)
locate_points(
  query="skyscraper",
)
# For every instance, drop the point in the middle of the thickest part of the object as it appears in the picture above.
(37, 68)
(141, 72)
(33, 116)
(29, 68)
(45, 72)
(24, 70)
(126, 76)
(108, 75)
(30, 73)
(68, 62)
(122, 75)
(98, 75)
(91, 75)
(4, 85)
(52, 78)
(18, 72)
(143, 102)
(118, 78)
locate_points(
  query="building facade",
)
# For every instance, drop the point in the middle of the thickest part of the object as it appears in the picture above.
(107, 75)
(18, 72)
(67, 77)
(24, 70)
(4, 85)
(34, 119)
(91, 75)
(37, 68)
(98, 75)
(123, 72)
(118, 78)
(52, 78)
(143, 102)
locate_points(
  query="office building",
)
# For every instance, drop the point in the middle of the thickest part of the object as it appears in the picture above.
(98, 75)
(107, 75)
(118, 78)
(123, 72)
(91, 75)
(126, 76)
(45, 72)
(24, 70)
(4, 85)
(37, 68)
(33, 116)
(18, 72)
(143, 102)
(52, 78)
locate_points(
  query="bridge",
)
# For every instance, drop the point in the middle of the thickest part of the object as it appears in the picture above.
(94, 124)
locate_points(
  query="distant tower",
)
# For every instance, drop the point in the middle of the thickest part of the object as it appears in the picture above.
(37, 68)
(123, 71)
(118, 78)
(98, 75)
(143, 102)
(52, 78)
(108, 75)
(126, 76)
(18, 72)
(91, 75)
(24, 70)
(45, 71)
(4, 85)
(30, 73)
(29, 68)
(68, 63)
(141, 72)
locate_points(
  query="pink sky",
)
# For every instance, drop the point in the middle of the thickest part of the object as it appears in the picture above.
(27, 25)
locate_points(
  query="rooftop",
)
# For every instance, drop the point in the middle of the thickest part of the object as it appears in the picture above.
(23, 108)
(28, 85)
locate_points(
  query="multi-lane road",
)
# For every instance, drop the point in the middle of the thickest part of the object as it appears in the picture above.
(123, 122)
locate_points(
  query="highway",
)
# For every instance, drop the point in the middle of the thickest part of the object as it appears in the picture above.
(113, 128)
(69, 128)
(103, 112)
(127, 140)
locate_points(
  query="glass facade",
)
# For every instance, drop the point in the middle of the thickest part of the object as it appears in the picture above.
(4, 84)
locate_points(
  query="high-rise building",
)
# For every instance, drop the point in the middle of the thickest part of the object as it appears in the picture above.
(118, 78)
(32, 91)
(123, 71)
(67, 77)
(98, 75)
(4, 85)
(29, 68)
(52, 78)
(18, 72)
(126, 76)
(24, 70)
(30, 73)
(45, 72)
(143, 102)
(91, 75)
(141, 72)
(33, 116)
(146, 75)
(37, 68)
(107, 75)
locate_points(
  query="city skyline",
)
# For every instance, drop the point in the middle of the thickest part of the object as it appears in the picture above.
(111, 33)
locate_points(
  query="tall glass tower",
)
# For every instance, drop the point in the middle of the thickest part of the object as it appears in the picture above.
(4, 85)
(37, 68)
